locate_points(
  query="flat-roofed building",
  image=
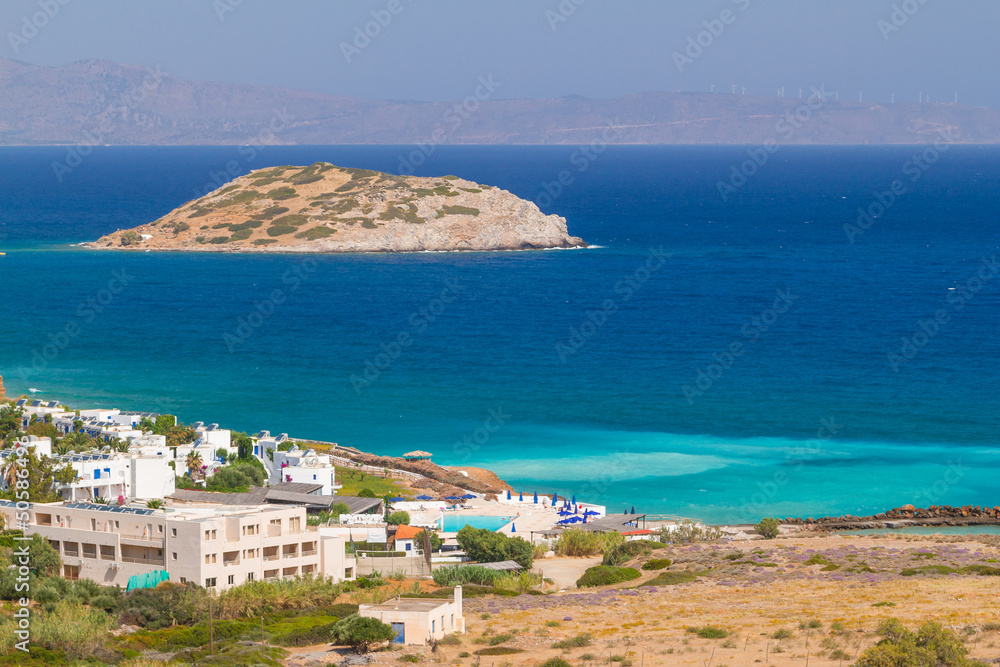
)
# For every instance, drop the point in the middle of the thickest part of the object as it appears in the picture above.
(419, 621)
(211, 546)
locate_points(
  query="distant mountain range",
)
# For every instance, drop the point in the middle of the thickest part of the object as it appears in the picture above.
(101, 102)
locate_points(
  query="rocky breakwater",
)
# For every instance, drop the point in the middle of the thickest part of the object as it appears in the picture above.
(905, 515)
(326, 209)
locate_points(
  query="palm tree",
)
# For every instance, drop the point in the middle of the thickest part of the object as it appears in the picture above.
(80, 441)
(193, 463)
(118, 445)
(62, 446)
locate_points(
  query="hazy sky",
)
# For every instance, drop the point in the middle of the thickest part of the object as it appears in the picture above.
(436, 49)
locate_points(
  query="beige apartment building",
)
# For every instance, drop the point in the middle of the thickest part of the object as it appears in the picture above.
(212, 546)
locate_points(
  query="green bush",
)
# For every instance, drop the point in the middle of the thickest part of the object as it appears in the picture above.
(604, 575)
(486, 546)
(768, 528)
(454, 575)
(398, 519)
(576, 542)
(578, 641)
(709, 632)
(624, 552)
(458, 210)
(931, 645)
(279, 194)
(656, 564)
(131, 237)
(360, 632)
(555, 662)
(280, 230)
(499, 650)
(314, 233)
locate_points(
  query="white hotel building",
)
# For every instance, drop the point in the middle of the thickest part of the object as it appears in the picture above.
(212, 546)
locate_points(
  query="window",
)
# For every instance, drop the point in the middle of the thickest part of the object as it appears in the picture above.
(314, 478)
(453, 620)
(159, 529)
(207, 535)
(409, 546)
(249, 576)
(432, 627)
(232, 579)
(116, 525)
(173, 532)
(97, 473)
(442, 622)
(174, 556)
(183, 580)
(210, 582)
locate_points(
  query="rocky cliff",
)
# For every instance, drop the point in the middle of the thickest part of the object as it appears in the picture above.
(324, 208)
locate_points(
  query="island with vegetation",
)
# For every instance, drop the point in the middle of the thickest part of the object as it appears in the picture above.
(324, 208)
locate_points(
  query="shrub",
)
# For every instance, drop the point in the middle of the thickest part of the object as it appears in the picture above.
(314, 233)
(280, 230)
(604, 575)
(578, 641)
(450, 640)
(768, 528)
(931, 645)
(398, 519)
(453, 575)
(782, 634)
(131, 237)
(671, 578)
(360, 632)
(295, 220)
(709, 632)
(458, 210)
(555, 662)
(575, 542)
(279, 194)
(486, 546)
(499, 650)
(688, 532)
(624, 552)
(656, 564)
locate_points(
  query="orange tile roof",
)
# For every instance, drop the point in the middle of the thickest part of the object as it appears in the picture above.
(407, 532)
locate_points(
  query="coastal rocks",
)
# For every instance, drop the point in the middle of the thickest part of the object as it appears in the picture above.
(3, 392)
(906, 515)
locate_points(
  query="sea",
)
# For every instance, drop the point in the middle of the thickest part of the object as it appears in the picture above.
(802, 332)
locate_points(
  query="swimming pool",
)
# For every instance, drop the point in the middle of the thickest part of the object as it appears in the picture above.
(453, 523)
(928, 530)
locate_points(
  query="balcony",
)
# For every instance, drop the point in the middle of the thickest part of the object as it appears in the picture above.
(308, 552)
(272, 557)
(143, 561)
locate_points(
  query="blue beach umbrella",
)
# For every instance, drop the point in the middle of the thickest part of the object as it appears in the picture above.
(508, 494)
(396, 500)
(424, 498)
(469, 496)
(512, 528)
(521, 496)
(555, 499)
(574, 499)
(633, 509)
(536, 497)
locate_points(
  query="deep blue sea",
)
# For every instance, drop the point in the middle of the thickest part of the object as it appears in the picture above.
(827, 371)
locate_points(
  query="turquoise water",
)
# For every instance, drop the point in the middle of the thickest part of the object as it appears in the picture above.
(524, 373)
(453, 523)
(926, 530)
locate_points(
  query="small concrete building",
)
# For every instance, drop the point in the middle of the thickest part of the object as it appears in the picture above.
(419, 621)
